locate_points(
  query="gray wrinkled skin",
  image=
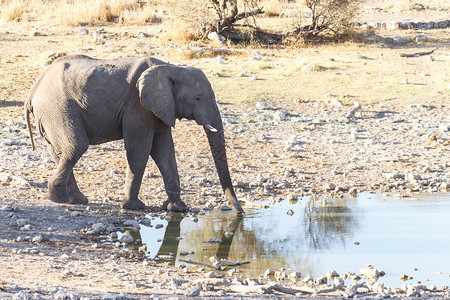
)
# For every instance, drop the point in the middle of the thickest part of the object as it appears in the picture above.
(80, 101)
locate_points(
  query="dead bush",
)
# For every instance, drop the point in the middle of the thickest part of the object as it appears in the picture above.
(12, 11)
(327, 17)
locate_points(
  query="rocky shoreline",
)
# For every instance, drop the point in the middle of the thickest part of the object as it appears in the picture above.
(84, 267)
(327, 149)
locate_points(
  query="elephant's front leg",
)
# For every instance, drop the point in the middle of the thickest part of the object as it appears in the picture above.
(163, 153)
(138, 151)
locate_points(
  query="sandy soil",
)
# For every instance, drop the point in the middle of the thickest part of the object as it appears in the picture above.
(276, 148)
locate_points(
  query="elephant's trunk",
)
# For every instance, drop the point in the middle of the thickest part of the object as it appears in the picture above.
(216, 141)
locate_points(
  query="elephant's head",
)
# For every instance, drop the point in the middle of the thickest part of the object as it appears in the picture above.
(172, 92)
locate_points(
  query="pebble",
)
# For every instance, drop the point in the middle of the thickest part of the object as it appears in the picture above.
(98, 227)
(194, 291)
(353, 191)
(336, 102)
(279, 275)
(214, 241)
(321, 280)
(228, 234)
(37, 238)
(308, 280)
(420, 38)
(262, 106)
(294, 276)
(132, 223)
(83, 31)
(331, 274)
(268, 273)
(126, 238)
(330, 186)
(370, 273)
(279, 116)
(225, 208)
(211, 274)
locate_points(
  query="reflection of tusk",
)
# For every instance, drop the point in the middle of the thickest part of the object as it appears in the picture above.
(210, 128)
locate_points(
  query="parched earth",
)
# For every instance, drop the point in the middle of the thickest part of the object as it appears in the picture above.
(275, 149)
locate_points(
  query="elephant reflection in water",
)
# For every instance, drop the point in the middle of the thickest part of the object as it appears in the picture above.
(171, 240)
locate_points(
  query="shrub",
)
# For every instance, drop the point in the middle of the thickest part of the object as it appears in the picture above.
(12, 11)
(327, 16)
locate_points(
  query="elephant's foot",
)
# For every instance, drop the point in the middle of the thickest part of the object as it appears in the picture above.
(79, 198)
(135, 204)
(60, 196)
(178, 206)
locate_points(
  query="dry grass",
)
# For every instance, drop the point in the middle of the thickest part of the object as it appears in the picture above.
(273, 8)
(12, 11)
(76, 12)
(398, 5)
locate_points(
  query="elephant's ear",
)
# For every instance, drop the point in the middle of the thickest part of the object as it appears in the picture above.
(156, 93)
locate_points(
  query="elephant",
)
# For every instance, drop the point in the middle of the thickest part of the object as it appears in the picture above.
(80, 101)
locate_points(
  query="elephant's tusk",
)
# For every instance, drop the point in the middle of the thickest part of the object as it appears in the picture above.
(207, 126)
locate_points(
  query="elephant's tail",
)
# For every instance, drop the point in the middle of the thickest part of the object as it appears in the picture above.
(28, 110)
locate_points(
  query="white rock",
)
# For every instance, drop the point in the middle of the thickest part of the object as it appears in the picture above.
(83, 31)
(336, 102)
(394, 175)
(420, 38)
(132, 223)
(126, 238)
(268, 272)
(214, 36)
(98, 227)
(377, 287)
(228, 234)
(321, 280)
(113, 171)
(294, 276)
(279, 116)
(22, 222)
(61, 295)
(413, 177)
(262, 106)
(194, 291)
(353, 191)
(331, 274)
(308, 279)
(279, 275)
(370, 273)
(37, 238)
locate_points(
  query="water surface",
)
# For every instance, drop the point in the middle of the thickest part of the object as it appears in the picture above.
(397, 235)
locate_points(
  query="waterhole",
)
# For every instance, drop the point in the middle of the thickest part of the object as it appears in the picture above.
(398, 235)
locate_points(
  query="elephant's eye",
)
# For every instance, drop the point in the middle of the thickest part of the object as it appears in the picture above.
(197, 98)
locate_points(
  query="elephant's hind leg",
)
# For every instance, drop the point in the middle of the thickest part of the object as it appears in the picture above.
(62, 187)
(74, 191)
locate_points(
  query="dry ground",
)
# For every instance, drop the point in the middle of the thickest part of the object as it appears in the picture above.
(304, 144)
